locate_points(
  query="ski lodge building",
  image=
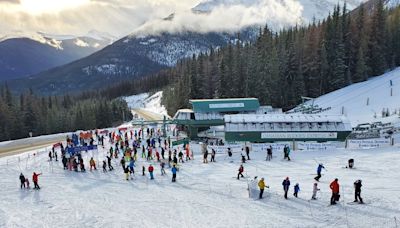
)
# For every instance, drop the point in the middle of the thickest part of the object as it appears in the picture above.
(243, 119)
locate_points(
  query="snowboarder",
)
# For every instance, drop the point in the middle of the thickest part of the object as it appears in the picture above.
(174, 170)
(240, 173)
(334, 186)
(314, 192)
(92, 164)
(269, 153)
(205, 156)
(296, 189)
(357, 191)
(35, 179)
(151, 169)
(319, 169)
(248, 152)
(261, 185)
(212, 155)
(351, 163)
(22, 179)
(286, 184)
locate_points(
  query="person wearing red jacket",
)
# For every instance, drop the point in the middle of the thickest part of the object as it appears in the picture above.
(151, 169)
(35, 179)
(240, 173)
(335, 191)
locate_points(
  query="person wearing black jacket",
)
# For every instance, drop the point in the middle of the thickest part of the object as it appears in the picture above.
(22, 179)
(357, 192)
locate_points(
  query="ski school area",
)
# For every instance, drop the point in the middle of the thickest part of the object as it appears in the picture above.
(104, 179)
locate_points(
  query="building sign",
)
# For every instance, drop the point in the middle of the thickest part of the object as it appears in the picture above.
(299, 135)
(310, 146)
(368, 143)
(227, 105)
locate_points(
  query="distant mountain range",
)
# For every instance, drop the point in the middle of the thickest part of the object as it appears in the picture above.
(139, 55)
(21, 56)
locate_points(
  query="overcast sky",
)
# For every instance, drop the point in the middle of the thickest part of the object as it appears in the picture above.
(122, 17)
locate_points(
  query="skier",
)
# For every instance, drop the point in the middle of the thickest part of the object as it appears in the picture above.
(22, 179)
(158, 156)
(205, 156)
(92, 164)
(104, 166)
(64, 161)
(82, 166)
(286, 151)
(269, 153)
(110, 167)
(132, 166)
(162, 165)
(314, 192)
(357, 191)
(248, 152)
(143, 171)
(180, 156)
(240, 173)
(55, 155)
(162, 153)
(296, 189)
(286, 184)
(35, 179)
(335, 191)
(212, 155)
(261, 185)
(151, 169)
(319, 169)
(174, 170)
(351, 163)
(27, 183)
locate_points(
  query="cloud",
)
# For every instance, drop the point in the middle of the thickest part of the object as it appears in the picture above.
(10, 1)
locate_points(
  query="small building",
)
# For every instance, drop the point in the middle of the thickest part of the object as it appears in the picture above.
(286, 127)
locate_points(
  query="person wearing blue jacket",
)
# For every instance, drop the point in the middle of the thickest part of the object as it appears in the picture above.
(296, 189)
(174, 170)
(132, 165)
(286, 184)
(319, 170)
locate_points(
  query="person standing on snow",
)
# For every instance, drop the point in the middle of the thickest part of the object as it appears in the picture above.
(174, 171)
(205, 156)
(314, 192)
(92, 164)
(286, 184)
(35, 179)
(151, 169)
(296, 189)
(243, 159)
(126, 171)
(248, 152)
(269, 153)
(104, 166)
(335, 191)
(319, 169)
(162, 165)
(132, 166)
(110, 167)
(122, 163)
(240, 173)
(212, 155)
(261, 185)
(22, 179)
(357, 191)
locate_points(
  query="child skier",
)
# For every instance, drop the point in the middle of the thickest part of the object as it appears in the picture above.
(104, 166)
(205, 156)
(314, 192)
(296, 189)
(212, 155)
(126, 171)
(240, 173)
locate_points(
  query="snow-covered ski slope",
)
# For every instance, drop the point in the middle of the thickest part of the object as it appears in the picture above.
(149, 103)
(361, 102)
(205, 195)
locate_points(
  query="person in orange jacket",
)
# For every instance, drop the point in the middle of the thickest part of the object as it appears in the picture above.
(92, 164)
(35, 179)
(335, 191)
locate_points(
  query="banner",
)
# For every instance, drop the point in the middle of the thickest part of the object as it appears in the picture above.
(367, 143)
(73, 150)
(310, 146)
(299, 135)
(224, 148)
(262, 147)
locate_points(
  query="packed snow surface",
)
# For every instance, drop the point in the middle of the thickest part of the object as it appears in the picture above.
(363, 102)
(205, 195)
(147, 102)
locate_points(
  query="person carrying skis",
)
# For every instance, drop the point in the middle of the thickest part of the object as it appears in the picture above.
(174, 171)
(357, 191)
(151, 169)
(286, 184)
(314, 192)
(296, 189)
(334, 186)
(212, 155)
(92, 164)
(319, 169)
(240, 173)
(22, 179)
(248, 152)
(261, 185)
(35, 179)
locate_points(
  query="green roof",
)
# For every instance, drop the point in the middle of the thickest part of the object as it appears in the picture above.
(225, 105)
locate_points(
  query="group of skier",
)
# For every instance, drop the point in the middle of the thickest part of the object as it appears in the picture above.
(25, 181)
